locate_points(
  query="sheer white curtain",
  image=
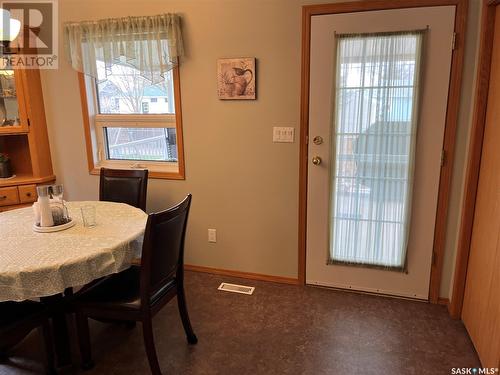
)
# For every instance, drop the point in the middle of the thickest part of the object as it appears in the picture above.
(151, 44)
(376, 106)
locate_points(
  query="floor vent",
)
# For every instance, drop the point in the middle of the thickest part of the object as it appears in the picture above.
(236, 288)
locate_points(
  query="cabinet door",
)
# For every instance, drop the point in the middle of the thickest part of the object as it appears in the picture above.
(13, 115)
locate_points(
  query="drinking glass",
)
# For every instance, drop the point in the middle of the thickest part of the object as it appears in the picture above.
(88, 216)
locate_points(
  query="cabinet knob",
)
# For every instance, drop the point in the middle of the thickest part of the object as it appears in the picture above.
(3, 197)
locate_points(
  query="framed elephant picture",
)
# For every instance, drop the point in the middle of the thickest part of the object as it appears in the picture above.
(236, 78)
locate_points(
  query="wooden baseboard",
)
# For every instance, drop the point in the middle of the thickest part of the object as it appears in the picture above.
(243, 275)
(443, 301)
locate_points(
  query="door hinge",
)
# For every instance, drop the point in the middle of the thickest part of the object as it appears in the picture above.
(454, 41)
(29, 123)
(443, 157)
(307, 139)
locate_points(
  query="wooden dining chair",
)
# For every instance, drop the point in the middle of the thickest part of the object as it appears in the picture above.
(124, 186)
(139, 292)
(17, 319)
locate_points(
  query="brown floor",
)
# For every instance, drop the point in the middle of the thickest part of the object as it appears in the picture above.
(281, 329)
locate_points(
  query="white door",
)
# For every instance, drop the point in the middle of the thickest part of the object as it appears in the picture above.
(378, 95)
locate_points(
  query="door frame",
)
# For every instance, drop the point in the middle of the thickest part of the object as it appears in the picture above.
(474, 156)
(450, 125)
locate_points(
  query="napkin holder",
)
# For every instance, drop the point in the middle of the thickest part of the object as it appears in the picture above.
(50, 209)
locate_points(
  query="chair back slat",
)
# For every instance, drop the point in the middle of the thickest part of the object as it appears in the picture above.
(124, 186)
(163, 247)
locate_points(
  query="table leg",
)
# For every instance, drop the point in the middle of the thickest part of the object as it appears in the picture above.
(60, 329)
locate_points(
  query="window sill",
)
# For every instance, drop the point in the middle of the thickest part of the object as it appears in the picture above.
(151, 174)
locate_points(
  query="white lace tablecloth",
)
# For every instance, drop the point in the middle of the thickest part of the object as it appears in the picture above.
(42, 264)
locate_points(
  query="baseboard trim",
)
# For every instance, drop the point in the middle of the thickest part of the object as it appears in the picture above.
(443, 301)
(243, 275)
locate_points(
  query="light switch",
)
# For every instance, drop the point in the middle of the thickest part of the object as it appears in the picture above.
(276, 134)
(212, 235)
(283, 134)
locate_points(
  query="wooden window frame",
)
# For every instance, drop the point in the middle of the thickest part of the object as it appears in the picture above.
(92, 122)
(454, 94)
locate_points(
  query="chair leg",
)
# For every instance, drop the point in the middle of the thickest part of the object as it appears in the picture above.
(46, 336)
(82, 327)
(149, 344)
(181, 302)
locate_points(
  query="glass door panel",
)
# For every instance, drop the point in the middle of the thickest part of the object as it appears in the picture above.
(12, 118)
(376, 91)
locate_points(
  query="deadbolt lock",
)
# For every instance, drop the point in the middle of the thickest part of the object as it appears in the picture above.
(318, 140)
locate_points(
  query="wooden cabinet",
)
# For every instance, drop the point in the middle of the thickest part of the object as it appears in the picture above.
(23, 136)
(27, 193)
(9, 196)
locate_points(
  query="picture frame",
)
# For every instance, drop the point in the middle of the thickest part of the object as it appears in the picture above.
(236, 78)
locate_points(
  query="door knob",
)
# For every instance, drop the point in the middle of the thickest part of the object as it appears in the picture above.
(316, 160)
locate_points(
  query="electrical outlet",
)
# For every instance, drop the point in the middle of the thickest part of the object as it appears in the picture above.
(212, 235)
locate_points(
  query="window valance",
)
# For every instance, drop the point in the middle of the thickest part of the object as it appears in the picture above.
(152, 45)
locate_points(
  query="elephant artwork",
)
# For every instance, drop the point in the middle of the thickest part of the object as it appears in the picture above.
(236, 78)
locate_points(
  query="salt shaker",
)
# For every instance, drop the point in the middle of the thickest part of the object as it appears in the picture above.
(46, 219)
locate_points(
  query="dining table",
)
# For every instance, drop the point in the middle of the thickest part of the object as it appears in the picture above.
(47, 266)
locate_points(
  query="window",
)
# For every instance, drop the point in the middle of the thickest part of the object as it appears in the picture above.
(129, 128)
(375, 135)
(125, 65)
(147, 144)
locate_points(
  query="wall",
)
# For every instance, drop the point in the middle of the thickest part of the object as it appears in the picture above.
(243, 185)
